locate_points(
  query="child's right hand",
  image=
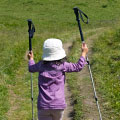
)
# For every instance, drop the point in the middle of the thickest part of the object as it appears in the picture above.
(84, 50)
(30, 55)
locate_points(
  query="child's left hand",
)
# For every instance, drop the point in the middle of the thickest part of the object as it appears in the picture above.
(30, 55)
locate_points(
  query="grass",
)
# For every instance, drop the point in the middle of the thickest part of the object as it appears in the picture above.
(106, 62)
(52, 19)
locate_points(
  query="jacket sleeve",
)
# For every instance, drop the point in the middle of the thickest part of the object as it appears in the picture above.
(75, 67)
(33, 67)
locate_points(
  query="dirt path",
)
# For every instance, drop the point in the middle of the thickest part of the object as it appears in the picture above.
(90, 111)
(69, 109)
(86, 92)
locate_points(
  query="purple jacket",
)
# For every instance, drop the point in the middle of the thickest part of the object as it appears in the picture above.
(51, 82)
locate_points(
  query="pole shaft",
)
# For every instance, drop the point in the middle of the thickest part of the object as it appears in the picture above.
(93, 84)
(32, 97)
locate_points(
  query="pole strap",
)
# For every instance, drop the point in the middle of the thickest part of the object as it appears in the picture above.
(80, 13)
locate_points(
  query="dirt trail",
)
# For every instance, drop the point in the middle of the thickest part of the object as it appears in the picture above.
(69, 109)
(90, 111)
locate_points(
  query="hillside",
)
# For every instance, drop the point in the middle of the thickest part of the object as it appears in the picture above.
(56, 19)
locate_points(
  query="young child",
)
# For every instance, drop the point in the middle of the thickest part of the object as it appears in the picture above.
(51, 80)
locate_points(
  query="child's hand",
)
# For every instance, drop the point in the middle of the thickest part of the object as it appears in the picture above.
(30, 55)
(84, 50)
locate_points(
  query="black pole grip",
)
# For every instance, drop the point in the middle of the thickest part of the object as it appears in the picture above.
(31, 30)
(78, 20)
(81, 33)
(76, 13)
(29, 24)
(30, 44)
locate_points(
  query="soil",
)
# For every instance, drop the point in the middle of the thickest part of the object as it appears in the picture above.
(68, 111)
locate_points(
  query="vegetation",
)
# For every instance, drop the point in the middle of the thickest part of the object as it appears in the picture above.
(105, 63)
(55, 19)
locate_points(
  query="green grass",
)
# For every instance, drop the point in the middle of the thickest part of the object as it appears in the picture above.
(105, 63)
(52, 19)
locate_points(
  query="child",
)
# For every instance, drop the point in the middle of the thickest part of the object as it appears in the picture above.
(51, 80)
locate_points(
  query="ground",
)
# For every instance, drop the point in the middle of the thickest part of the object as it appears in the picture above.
(90, 111)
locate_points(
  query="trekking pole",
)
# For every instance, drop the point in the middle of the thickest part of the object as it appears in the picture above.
(78, 13)
(31, 31)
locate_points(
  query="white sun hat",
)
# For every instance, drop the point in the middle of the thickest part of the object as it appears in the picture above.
(53, 50)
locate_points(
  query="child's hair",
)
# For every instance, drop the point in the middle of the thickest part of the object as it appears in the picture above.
(57, 62)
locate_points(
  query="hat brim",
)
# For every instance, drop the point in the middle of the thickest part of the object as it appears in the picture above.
(52, 57)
